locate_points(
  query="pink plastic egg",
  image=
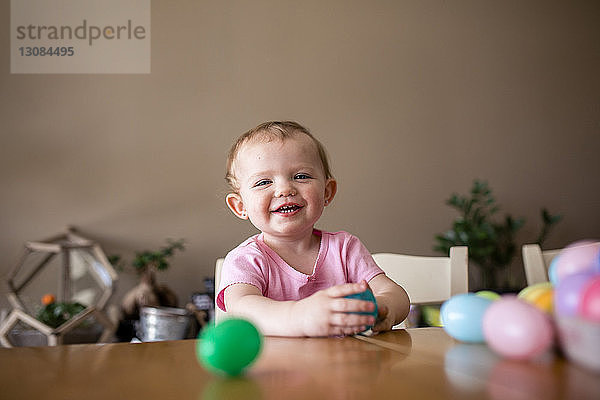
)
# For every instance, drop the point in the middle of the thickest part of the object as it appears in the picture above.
(516, 329)
(589, 305)
(580, 243)
(579, 257)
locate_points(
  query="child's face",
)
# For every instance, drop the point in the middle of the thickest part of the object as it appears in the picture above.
(283, 188)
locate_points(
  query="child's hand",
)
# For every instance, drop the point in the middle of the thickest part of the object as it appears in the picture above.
(384, 322)
(328, 313)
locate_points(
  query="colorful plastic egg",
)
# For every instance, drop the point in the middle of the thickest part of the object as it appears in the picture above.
(567, 295)
(545, 301)
(488, 294)
(229, 347)
(367, 295)
(462, 317)
(578, 257)
(540, 295)
(552, 273)
(532, 291)
(589, 306)
(516, 329)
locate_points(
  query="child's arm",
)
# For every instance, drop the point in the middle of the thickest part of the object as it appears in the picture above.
(392, 302)
(325, 313)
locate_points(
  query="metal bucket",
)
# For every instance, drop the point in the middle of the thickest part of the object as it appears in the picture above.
(163, 323)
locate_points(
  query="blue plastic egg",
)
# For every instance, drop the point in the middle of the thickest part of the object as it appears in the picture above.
(552, 273)
(462, 317)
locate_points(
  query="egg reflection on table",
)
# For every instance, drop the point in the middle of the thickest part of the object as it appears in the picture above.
(468, 366)
(513, 379)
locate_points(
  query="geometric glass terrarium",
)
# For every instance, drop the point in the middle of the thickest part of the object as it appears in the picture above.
(77, 274)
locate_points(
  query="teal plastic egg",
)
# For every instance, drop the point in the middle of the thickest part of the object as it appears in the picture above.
(367, 295)
(229, 347)
(462, 317)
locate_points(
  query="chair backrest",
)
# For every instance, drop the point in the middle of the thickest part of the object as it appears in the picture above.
(536, 263)
(428, 279)
(219, 314)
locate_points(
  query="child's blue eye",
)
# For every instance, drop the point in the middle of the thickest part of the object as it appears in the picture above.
(302, 176)
(262, 182)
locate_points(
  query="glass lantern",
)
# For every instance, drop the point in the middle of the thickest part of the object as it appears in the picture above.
(74, 279)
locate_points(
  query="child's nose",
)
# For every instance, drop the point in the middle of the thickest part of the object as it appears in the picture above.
(285, 189)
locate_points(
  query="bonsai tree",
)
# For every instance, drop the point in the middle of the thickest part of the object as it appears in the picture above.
(148, 292)
(491, 243)
(147, 260)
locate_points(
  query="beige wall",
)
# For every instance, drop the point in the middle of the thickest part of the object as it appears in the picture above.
(412, 99)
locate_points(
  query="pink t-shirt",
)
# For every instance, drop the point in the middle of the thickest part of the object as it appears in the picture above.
(342, 259)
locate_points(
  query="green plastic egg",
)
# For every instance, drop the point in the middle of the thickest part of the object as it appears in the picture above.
(488, 294)
(228, 347)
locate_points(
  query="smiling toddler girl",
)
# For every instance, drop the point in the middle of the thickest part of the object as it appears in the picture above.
(292, 279)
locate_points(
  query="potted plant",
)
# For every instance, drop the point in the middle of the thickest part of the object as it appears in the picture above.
(491, 242)
(148, 292)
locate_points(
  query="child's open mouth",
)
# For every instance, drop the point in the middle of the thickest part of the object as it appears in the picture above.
(288, 209)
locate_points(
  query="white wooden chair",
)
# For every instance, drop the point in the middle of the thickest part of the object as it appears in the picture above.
(536, 263)
(428, 279)
(219, 314)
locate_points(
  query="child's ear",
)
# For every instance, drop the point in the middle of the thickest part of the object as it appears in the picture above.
(330, 190)
(236, 205)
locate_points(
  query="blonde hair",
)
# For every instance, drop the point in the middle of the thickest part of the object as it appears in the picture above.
(268, 131)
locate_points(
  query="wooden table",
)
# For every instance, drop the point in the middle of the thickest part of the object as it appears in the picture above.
(415, 363)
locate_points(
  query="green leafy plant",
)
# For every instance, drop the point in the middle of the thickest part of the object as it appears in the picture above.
(56, 314)
(491, 243)
(147, 260)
